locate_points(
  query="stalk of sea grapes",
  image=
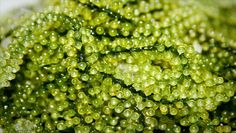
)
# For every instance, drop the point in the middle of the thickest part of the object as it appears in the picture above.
(119, 66)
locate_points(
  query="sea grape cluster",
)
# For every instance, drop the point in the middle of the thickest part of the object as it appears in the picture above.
(118, 66)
